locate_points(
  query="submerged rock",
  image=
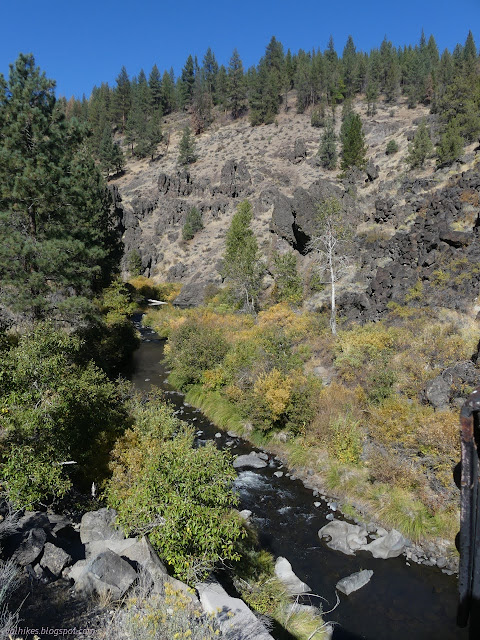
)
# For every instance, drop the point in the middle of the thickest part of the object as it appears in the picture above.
(354, 582)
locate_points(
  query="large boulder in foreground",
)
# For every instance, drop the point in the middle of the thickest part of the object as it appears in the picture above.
(234, 618)
(106, 574)
(99, 525)
(389, 546)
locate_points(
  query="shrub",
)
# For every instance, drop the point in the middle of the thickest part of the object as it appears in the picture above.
(193, 223)
(318, 116)
(288, 283)
(134, 263)
(392, 147)
(54, 408)
(181, 496)
(192, 349)
(346, 440)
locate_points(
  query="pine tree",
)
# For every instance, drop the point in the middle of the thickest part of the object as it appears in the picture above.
(202, 105)
(155, 84)
(186, 150)
(210, 70)
(221, 89)
(187, 82)
(193, 223)
(56, 237)
(450, 147)
(110, 155)
(421, 147)
(354, 149)
(167, 95)
(122, 99)
(241, 265)
(328, 147)
(236, 85)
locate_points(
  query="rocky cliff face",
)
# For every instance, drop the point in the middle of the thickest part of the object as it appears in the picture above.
(416, 234)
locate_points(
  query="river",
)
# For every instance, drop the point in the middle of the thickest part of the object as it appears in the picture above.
(401, 602)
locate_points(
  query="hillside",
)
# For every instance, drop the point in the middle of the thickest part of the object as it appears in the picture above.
(276, 168)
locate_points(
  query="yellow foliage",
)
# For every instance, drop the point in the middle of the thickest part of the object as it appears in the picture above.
(295, 324)
(274, 388)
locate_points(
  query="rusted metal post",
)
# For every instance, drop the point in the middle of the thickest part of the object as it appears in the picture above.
(469, 543)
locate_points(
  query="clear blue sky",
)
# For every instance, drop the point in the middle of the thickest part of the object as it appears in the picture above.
(81, 44)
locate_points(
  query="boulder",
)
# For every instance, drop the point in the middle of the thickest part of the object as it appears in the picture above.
(144, 555)
(31, 547)
(372, 171)
(389, 546)
(99, 525)
(354, 582)
(344, 537)
(232, 614)
(54, 559)
(235, 178)
(107, 573)
(192, 294)
(284, 572)
(250, 461)
(299, 150)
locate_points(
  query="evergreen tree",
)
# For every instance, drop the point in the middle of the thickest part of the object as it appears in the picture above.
(210, 71)
(155, 85)
(241, 265)
(186, 150)
(56, 238)
(354, 149)
(350, 67)
(202, 105)
(110, 155)
(186, 83)
(421, 148)
(236, 85)
(328, 147)
(167, 94)
(450, 147)
(122, 99)
(288, 282)
(371, 94)
(222, 88)
(193, 223)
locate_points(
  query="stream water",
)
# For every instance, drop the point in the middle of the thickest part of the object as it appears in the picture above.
(401, 602)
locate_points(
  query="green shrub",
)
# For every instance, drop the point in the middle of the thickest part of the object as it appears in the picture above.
(192, 349)
(193, 223)
(288, 283)
(54, 408)
(318, 116)
(392, 147)
(180, 495)
(346, 440)
(134, 263)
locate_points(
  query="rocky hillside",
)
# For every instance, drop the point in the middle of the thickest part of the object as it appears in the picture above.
(415, 231)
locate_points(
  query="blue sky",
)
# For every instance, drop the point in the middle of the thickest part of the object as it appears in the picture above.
(81, 44)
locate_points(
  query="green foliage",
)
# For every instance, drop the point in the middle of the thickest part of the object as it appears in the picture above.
(450, 147)
(134, 262)
(236, 85)
(192, 349)
(180, 495)
(58, 242)
(346, 440)
(193, 223)
(392, 147)
(241, 264)
(186, 149)
(55, 408)
(327, 152)
(317, 118)
(354, 149)
(288, 283)
(421, 148)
